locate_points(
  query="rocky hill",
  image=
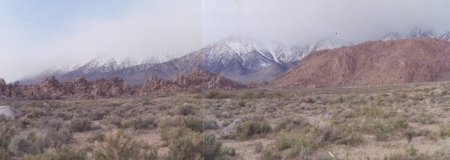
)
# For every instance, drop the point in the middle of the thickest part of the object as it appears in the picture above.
(372, 63)
(51, 88)
(198, 81)
(81, 88)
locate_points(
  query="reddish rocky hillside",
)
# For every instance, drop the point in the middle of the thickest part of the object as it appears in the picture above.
(197, 81)
(372, 63)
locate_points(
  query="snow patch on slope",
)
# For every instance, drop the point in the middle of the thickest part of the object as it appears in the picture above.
(416, 33)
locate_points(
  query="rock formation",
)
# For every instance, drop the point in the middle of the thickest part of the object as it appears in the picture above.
(51, 88)
(198, 81)
(9, 112)
(81, 88)
(2, 86)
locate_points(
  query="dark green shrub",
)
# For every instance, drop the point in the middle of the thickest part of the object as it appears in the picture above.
(259, 147)
(226, 153)
(251, 128)
(98, 114)
(185, 110)
(410, 153)
(210, 124)
(211, 146)
(445, 131)
(186, 147)
(301, 142)
(113, 120)
(384, 129)
(242, 104)
(118, 145)
(340, 134)
(186, 140)
(60, 137)
(60, 153)
(213, 94)
(309, 100)
(28, 143)
(271, 155)
(139, 123)
(4, 154)
(194, 123)
(65, 115)
(198, 146)
(80, 125)
(283, 143)
(292, 123)
(97, 136)
(7, 132)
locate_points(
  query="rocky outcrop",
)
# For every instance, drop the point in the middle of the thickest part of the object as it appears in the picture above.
(108, 88)
(51, 88)
(372, 63)
(81, 88)
(2, 86)
(230, 129)
(101, 88)
(14, 90)
(198, 81)
(9, 112)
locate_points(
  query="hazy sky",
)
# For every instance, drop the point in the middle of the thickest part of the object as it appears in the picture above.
(37, 35)
(303, 21)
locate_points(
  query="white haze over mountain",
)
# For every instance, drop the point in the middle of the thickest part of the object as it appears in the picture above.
(307, 21)
(157, 28)
(141, 30)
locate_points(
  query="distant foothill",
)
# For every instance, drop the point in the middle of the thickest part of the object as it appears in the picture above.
(80, 88)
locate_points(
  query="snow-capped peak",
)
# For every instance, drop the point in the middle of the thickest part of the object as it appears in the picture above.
(97, 65)
(239, 45)
(417, 32)
(268, 51)
(158, 59)
(443, 35)
(282, 53)
(91, 64)
(391, 36)
(128, 62)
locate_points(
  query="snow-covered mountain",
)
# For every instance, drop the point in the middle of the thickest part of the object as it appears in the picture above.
(443, 36)
(275, 51)
(237, 58)
(97, 66)
(248, 61)
(254, 54)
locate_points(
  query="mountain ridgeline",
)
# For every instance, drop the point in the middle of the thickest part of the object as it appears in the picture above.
(372, 63)
(416, 57)
(238, 59)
